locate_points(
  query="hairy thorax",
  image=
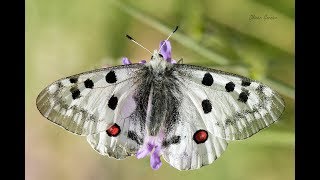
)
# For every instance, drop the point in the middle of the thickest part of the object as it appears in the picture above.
(162, 99)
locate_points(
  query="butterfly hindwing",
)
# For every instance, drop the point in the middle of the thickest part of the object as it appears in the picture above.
(189, 145)
(231, 106)
(124, 137)
(88, 103)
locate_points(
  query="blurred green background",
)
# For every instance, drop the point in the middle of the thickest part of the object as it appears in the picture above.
(65, 37)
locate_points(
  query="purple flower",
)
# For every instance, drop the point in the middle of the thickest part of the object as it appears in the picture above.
(166, 51)
(155, 161)
(143, 62)
(125, 61)
(152, 143)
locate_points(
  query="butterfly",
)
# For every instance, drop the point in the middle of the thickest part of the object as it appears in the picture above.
(185, 113)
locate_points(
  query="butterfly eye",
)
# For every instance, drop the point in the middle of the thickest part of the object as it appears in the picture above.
(160, 55)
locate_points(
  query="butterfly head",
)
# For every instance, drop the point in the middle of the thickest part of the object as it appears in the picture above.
(156, 56)
(157, 61)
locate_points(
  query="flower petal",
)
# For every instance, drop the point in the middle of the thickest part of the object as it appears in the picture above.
(166, 50)
(173, 61)
(143, 62)
(144, 151)
(155, 161)
(125, 61)
(152, 144)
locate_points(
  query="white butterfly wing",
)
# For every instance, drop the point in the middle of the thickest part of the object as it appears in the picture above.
(182, 150)
(232, 107)
(90, 102)
(121, 146)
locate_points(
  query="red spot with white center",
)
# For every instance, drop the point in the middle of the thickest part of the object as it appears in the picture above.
(114, 130)
(200, 136)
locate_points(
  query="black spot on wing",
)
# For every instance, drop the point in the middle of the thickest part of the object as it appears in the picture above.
(75, 92)
(207, 79)
(243, 96)
(73, 79)
(59, 84)
(245, 82)
(206, 106)
(260, 89)
(88, 83)
(134, 136)
(172, 140)
(113, 102)
(230, 86)
(111, 77)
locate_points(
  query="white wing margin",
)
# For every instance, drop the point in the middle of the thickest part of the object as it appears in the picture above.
(87, 103)
(232, 107)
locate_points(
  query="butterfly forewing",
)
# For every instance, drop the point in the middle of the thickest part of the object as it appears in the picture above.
(86, 103)
(231, 106)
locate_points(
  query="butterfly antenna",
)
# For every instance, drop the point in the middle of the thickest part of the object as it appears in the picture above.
(131, 39)
(169, 37)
